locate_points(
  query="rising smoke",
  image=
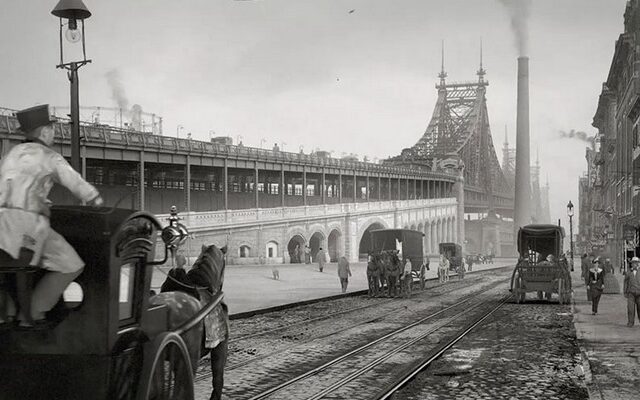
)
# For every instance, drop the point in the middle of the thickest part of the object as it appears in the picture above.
(519, 11)
(117, 89)
(579, 135)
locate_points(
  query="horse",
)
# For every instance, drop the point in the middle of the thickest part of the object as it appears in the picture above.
(373, 275)
(184, 293)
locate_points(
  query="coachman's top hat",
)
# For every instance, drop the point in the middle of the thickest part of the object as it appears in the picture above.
(34, 117)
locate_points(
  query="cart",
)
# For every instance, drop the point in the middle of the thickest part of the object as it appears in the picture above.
(536, 271)
(106, 342)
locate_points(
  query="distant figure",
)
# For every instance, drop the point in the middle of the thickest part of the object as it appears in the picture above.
(322, 259)
(275, 147)
(596, 285)
(307, 254)
(344, 273)
(423, 273)
(470, 262)
(586, 262)
(443, 269)
(632, 291)
(275, 272)
(373, 275)
(406, 278)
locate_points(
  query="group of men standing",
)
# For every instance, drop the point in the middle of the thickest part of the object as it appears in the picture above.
(388, 274)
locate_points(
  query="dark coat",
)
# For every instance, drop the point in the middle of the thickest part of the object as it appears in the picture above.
(596, 279)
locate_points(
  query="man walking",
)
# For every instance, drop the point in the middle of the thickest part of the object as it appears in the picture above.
(322, 259)
(632, 291)
(344, 273)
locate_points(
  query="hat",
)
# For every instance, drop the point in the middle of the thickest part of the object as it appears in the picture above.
(34, 117)
(635, 259)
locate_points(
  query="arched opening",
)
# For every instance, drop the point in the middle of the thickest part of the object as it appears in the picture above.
(332, 245)
(365, 242)
(315, 242)
(271, 249)
(296, 249)
(244, 251)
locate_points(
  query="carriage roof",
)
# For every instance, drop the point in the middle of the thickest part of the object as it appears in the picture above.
(542, 238)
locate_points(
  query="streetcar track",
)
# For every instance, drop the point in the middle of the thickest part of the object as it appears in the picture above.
(361, 371)
(364, 347)
(207, 373)
(423, 365)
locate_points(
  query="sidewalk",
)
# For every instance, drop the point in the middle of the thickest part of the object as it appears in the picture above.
(250, 288)
(610, 349)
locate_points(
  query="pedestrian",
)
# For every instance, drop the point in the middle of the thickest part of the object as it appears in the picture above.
(443, 269)
(322, 259)
(406, 278)
(596, 285)
(632, 291)
(470, 263)
(423, 273)
(27, 174)
(373, 275)
(585, 262)
(460, 270)
(344, 273)
(275, 272)
(307, 254)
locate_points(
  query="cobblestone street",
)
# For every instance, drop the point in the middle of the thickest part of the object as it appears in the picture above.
(522, 352)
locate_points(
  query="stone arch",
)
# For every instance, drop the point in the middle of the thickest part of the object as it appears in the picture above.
(244, 251)
(295, 247)
(316, 241)
(364, 239)
(334, 245)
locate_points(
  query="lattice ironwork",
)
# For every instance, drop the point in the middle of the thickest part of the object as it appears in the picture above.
(460, 126)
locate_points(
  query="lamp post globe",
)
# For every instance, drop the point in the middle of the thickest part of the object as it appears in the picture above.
(69, 13)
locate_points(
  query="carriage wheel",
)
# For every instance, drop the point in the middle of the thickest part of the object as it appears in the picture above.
(127, 363)
(167, 372)
(520, 293)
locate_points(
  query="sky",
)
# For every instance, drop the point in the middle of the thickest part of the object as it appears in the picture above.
(311, 73)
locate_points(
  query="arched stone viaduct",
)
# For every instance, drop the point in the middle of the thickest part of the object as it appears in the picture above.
(271, 235)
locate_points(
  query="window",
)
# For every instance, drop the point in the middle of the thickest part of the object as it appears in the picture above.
(244, 251)
(127, 283)
(272, 249)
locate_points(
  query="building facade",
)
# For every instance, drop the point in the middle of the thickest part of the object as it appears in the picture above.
(615, 180)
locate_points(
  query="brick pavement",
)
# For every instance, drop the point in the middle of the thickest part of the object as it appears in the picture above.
(610, 349)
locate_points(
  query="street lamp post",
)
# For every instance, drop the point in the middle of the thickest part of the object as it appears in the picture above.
(69, 12)
(570, 214)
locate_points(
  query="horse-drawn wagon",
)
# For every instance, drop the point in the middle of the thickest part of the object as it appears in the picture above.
(106, 341)
(453, 252)
(403, 244)
(540, 267)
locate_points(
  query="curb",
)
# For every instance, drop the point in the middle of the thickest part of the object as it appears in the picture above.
(587, 376)
(252, 313)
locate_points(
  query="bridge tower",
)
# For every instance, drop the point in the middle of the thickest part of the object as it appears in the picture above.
(459, 130)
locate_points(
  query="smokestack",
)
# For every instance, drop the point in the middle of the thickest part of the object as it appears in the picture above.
(522, 206)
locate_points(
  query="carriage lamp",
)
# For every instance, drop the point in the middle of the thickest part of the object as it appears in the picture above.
(570, 214)
(70, 12)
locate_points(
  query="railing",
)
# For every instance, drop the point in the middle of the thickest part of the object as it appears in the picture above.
(222, 218)
(107, 135)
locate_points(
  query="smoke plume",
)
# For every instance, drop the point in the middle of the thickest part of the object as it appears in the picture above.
(579, 135)
(519, 11)
(117, 89)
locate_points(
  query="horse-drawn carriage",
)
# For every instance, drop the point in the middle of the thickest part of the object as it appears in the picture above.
(453, 252)
(403, 244)
(106, 340)
(541, 267)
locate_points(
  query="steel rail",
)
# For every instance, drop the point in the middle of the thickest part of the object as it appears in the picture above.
(415, 371)
(360, 349)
